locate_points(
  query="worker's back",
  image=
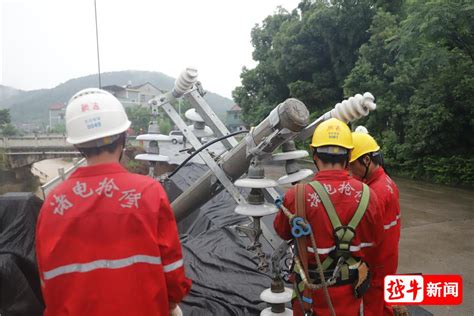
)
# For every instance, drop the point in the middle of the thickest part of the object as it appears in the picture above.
(107, 244)
(384, 258)
(387, 193)
(345, 194)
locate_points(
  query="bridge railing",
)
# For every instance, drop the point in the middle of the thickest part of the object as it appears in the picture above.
(34, 141)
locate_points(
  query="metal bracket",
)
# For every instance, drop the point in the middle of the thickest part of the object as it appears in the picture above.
(259, 150)
(278, 254)
(210, 118)
(200, 89)
(205, 156)
(253, 232)
(273, 117)
(213, 165)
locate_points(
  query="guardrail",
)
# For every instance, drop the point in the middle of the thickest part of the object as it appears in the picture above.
(26, 153)
(32, 141)
(42, 141)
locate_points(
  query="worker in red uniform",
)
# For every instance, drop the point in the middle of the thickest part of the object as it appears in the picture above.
(107, 241)
(366, 165)
(335, 203)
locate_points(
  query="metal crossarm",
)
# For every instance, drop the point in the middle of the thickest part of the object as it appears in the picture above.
(210, 118)
(215, 168)
(205, 156)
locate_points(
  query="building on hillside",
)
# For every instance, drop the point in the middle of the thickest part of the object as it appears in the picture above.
(134, 95)
(234, 119)
(56, 115)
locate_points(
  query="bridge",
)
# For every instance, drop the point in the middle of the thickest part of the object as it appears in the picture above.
(19, 152)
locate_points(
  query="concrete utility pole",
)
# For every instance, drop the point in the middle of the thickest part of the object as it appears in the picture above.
(287, 119)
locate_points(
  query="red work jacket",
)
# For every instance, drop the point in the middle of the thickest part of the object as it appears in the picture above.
(344, 192)
(384, 258)
(107, 244)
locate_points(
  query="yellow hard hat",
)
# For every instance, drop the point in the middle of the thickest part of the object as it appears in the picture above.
(363, 144)
(332, 133)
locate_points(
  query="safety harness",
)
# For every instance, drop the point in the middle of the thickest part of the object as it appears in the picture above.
(343, 235)
(346, 268)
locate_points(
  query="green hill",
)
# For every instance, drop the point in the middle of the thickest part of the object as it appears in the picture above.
(6, 93)
(32, 106)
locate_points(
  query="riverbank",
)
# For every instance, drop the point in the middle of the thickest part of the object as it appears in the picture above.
(10, 183)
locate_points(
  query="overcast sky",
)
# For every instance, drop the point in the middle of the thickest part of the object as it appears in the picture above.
(46, 42)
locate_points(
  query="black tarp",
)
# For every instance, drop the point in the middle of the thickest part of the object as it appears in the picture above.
(225, 277)
(20, 292)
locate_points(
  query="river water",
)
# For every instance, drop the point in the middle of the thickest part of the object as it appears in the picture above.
(47, 170)
(438, 236)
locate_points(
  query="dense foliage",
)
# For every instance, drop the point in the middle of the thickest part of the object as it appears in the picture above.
(416, 57)
(140, 118)
(6, 128)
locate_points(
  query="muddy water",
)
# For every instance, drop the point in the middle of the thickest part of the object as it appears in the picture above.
(46, 170)
(437, 234)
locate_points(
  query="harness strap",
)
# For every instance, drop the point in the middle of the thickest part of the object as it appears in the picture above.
(301, 242)
(301, 212)
(327, 263)
(323, 195)
(331, 211)
(364, 202)
(343, 234)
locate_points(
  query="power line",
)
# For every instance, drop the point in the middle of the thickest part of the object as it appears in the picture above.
(97, 41)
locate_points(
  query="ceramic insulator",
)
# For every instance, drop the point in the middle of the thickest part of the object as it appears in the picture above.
(354, 108)
(185, 81)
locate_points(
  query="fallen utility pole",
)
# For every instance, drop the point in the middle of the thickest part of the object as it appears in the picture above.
(283, 123)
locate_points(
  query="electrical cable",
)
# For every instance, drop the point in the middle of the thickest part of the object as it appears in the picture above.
(202, 148)
(97, 42)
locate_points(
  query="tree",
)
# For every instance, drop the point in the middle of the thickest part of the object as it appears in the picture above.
(7, 129)
(262, 88)
(58, 129)
(416, 57)
(140, 117)
(5, 117)
(305, 54)
(420, 67)
(375, 71)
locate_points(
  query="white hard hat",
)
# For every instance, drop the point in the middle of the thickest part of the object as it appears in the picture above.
(93, 114)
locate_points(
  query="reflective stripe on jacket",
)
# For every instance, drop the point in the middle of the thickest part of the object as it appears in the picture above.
(107, 244)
